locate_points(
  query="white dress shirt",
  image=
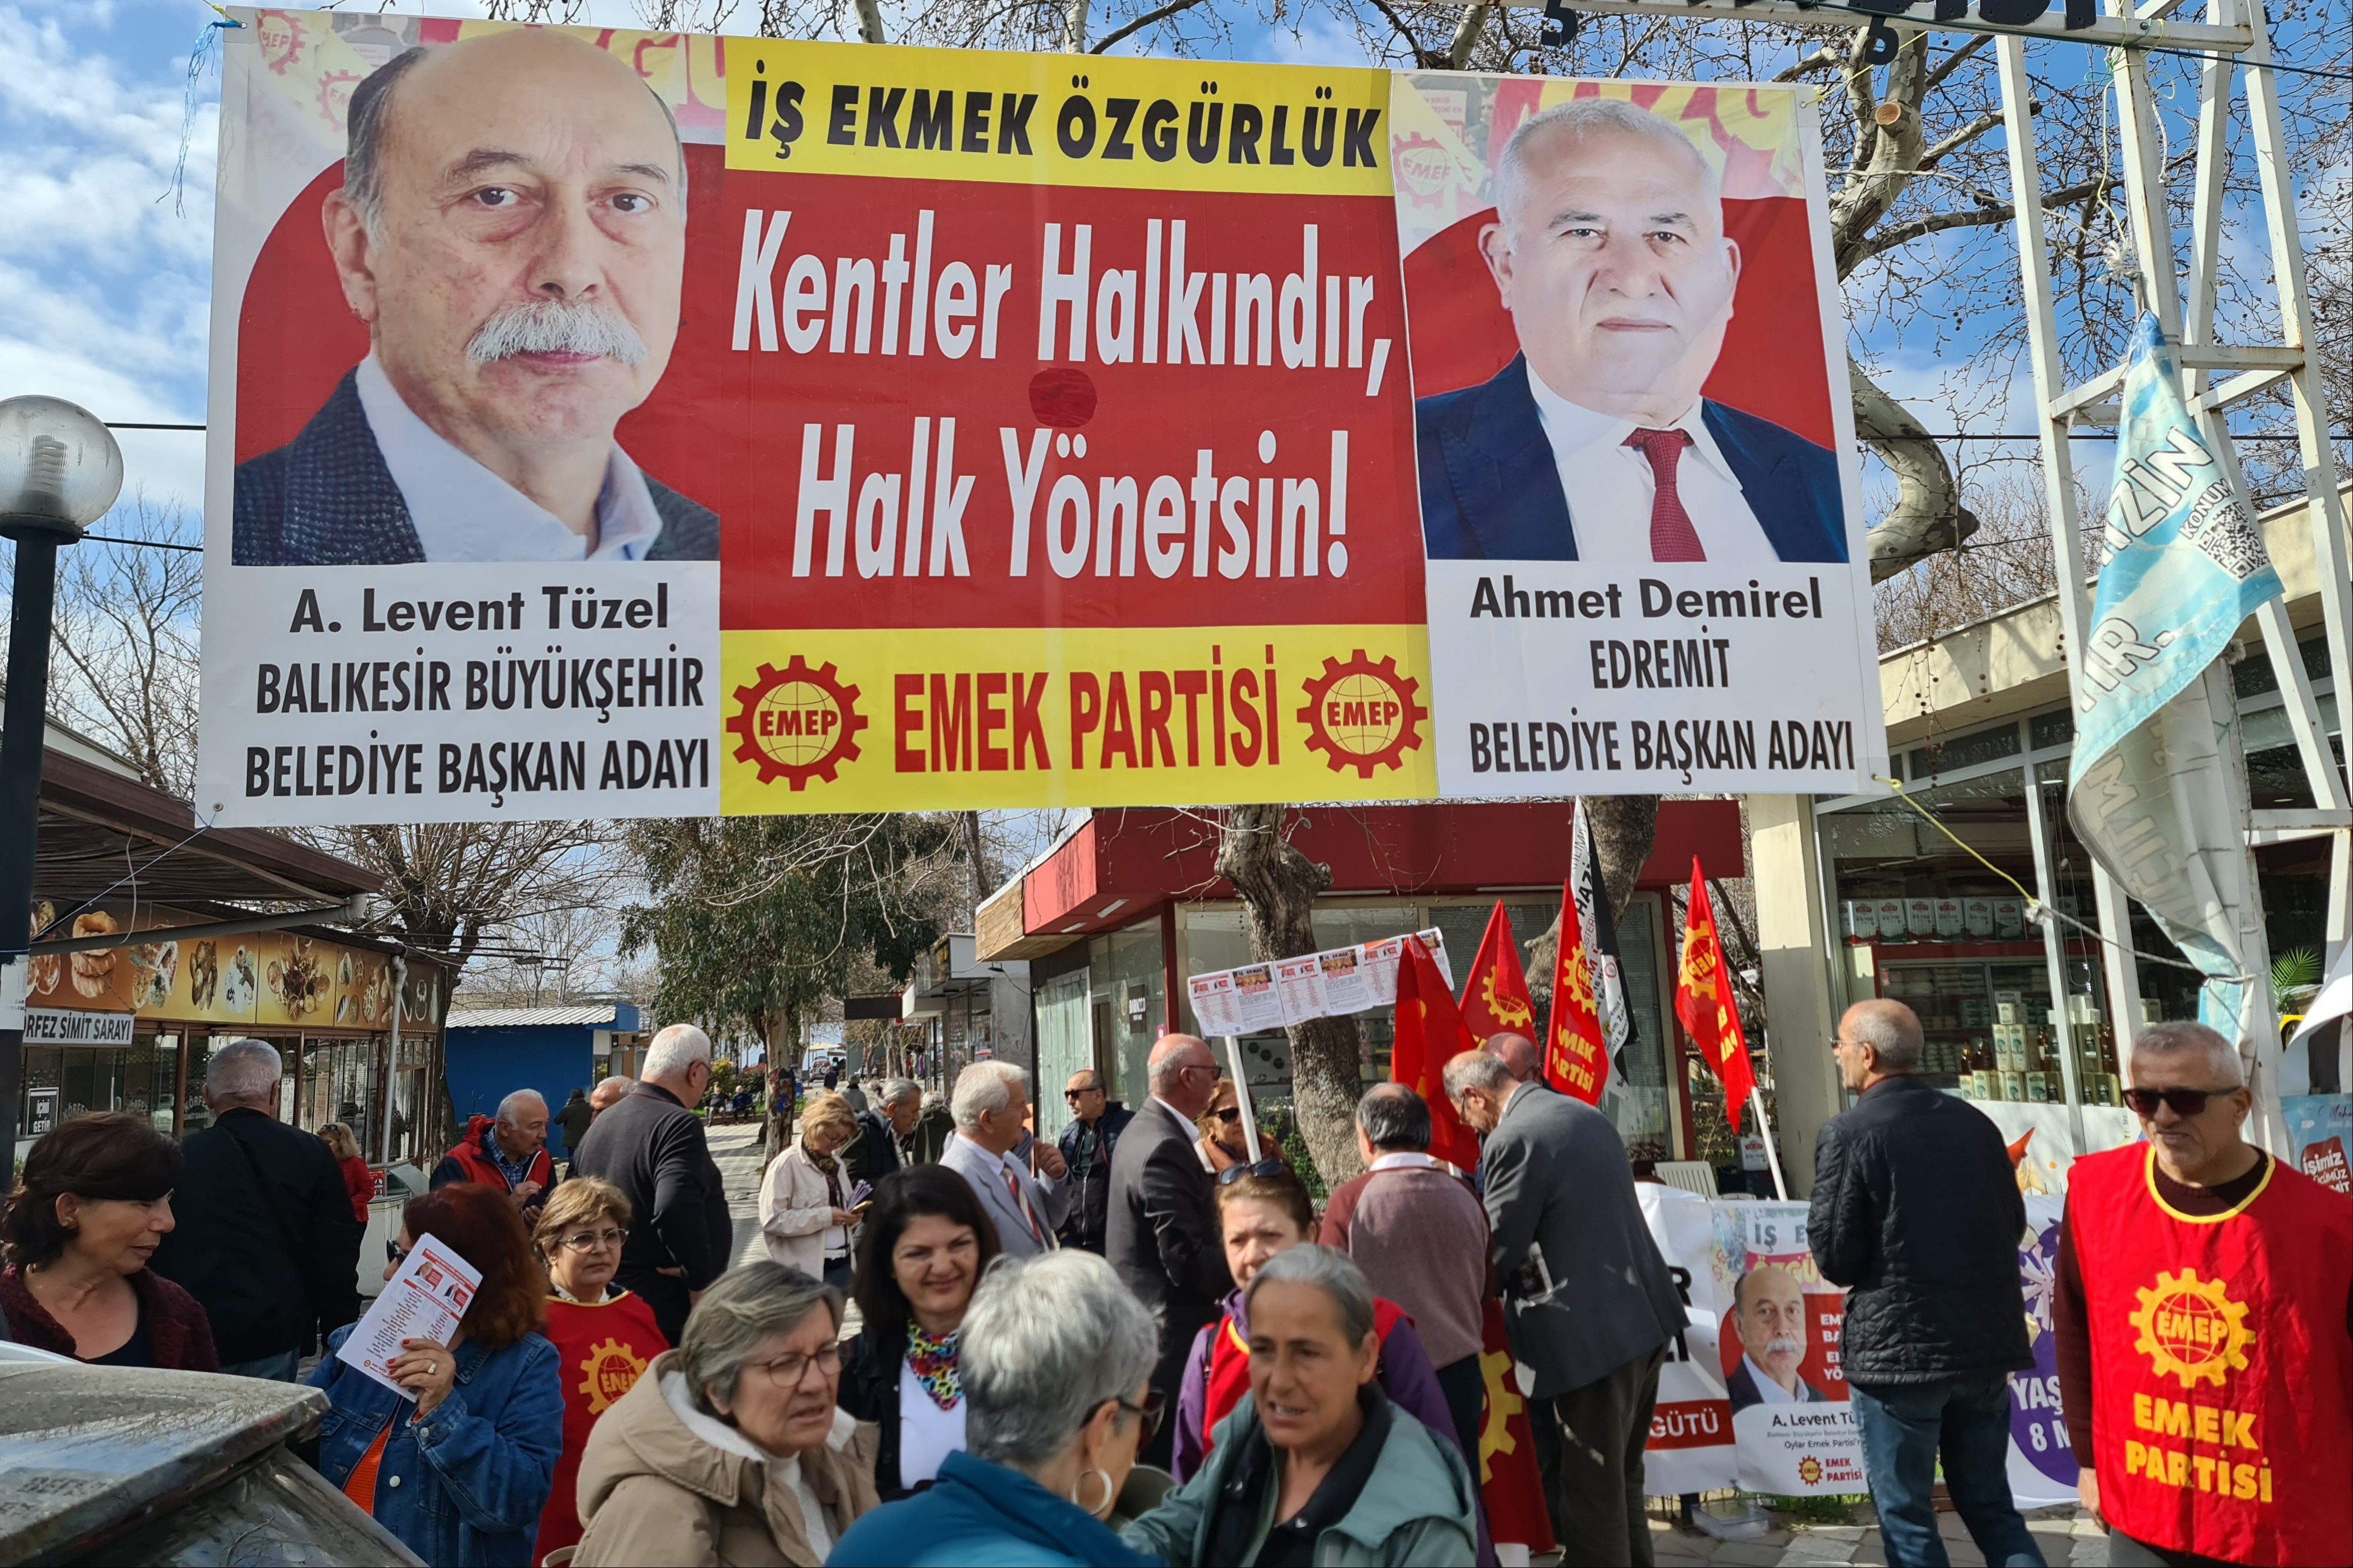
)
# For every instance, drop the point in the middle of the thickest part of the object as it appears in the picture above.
(927, 1434)
(1405, 1160)
(462, 511)
(1768, 1391)
(1609, 487)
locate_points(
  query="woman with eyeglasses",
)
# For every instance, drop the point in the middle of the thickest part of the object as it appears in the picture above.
(1221, 1142)
(927, 1241)
(1056, 1367)
(731, 1450)
(604, 1337)
(1316, 1465)
(458, 1460)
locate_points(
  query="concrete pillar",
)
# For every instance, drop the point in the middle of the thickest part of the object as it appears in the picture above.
(1785, 870)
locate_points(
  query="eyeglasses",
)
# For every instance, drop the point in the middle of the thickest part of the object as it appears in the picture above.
(2184, 1101)
(1270, 1166)
(1229, 1115)
(788, 1371)
(1152, 1412)
(1080, 1093)
(585, 1240)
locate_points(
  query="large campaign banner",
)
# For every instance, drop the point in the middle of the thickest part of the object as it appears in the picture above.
(608, 423)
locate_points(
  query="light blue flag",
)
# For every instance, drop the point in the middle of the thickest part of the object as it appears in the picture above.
(2153, 787)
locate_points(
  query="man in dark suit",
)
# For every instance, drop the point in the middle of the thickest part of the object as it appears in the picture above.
(1161, 1228)
(650, 1144)
(1589, 1306)
(1609, 252)
(1769, 1312)
(511, 228)
(266, 1242)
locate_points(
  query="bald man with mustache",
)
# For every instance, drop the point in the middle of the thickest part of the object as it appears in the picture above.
(511, 231)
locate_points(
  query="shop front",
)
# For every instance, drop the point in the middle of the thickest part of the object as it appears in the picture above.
(1117, 916)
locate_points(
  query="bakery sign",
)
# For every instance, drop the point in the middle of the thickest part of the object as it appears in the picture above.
(60, 1027)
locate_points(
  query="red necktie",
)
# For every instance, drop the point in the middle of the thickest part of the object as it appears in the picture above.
(1022, 1202)
(1673, 538)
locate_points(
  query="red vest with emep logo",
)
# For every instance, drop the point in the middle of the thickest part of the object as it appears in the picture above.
(2221, 1371)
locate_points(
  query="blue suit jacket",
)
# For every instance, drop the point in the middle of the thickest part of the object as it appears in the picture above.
(1491, 489)
(325, 498)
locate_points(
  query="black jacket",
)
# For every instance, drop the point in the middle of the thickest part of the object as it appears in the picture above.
(869, 1392)
(266, 1242)
(1160, 1228)
(1916, 1208)
(653, 1148)
(875, 1154)
(1091, 1200)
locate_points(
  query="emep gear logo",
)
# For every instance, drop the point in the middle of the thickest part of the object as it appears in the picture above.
(2192, 1329)
(608, 1370)
(1502, 1403)
(1363, 715)
(796, 724)
(1505, 1009)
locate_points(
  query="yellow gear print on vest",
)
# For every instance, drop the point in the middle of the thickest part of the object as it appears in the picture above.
(610, 1371)
(2192, 1329)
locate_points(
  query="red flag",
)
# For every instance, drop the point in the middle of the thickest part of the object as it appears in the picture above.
(1575, 1062)
(1495, 998)
(1704, 1002)
(1509, 1481)
(1429, 1031)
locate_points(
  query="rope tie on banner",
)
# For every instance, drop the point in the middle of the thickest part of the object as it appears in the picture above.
(207, 43)
(2036, 910)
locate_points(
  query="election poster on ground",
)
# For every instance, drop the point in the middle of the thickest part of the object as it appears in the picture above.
(614, 423)
(1752, 1394)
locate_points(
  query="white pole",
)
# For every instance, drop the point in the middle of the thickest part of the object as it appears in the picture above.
(391, 1067)
(1243, 1099)
(1772, 1156)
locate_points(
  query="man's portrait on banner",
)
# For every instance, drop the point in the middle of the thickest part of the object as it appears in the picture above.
(512, 231)
(1596, 443)
(1769, 1308)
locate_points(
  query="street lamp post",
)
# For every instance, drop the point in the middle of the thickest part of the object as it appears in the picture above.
(60, 470)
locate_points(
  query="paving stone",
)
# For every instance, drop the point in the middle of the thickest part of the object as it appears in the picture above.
(1750, 1553)
(1813, 1548)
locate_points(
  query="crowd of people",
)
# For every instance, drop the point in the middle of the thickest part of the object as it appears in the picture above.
(1145, 1343)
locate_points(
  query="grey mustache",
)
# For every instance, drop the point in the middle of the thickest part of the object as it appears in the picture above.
(556, 327)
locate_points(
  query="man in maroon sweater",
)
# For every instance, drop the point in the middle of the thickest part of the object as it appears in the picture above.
(1420, 1235)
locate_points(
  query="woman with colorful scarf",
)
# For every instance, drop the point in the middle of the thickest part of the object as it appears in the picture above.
(926, 1244)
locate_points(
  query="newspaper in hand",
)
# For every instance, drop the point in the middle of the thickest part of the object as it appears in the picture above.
(423, 1300)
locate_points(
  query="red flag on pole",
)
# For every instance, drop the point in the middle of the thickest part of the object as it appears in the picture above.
(1703, 1002)
(1509, 1481)
(1495, 998)
(1429, 1031)
(1574, 1060)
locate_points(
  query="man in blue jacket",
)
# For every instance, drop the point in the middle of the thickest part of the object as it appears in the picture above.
(1096, 1122)
(1609, 252)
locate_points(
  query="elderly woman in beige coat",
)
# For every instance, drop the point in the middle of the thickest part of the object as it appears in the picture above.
(805, 1216)
(731, 1450)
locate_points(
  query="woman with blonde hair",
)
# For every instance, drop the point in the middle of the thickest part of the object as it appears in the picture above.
(805, 1209)
(1221, 1143)
(358, 1180)
(604, 1337)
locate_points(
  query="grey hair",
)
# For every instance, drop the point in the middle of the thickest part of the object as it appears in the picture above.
(521, 1097)
(675, 1049)
(2172, 1039)
(1892, 1030)
(1394, 1118)
(618, 1083)
(983, 1087)
(371, 106)
(1332, 1271)
(895, 1089)
(1575, 122)
(743, 1310)
(244, 1070)
(1477, 1070)
(1047, 1341)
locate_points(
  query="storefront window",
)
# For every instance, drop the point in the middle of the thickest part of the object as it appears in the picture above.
(339, 1084)
(61, 1081)
(1129, 1002)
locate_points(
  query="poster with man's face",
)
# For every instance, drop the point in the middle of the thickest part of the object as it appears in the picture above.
(1639, 495)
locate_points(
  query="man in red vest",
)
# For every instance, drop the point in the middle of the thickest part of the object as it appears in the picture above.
(510, 1152)
(2204, 1314)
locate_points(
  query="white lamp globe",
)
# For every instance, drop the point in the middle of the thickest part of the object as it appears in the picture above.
(59, 467)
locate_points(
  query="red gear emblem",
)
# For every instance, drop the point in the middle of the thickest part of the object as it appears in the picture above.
(796, 724)
(1363, 715)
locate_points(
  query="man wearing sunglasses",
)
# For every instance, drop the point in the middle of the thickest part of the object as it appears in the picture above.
(1916, 1207)
(2204, 1315)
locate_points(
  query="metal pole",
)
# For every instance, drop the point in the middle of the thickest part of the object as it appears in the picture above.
(391, 1067)
(24, 727)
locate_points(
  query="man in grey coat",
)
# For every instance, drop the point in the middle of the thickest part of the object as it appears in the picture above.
(990, 1152)
(1588, 1305)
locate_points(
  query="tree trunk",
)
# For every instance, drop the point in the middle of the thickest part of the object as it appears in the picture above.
(976, 862)
(1278, 887)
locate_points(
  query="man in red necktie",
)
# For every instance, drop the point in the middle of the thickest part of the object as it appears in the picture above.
(992, 1150)
(1608, 249)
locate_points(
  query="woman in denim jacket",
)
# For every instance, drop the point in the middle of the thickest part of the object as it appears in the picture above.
(459, 1466)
